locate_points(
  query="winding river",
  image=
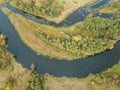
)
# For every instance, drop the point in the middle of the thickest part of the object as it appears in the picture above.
(78, 68)
(77, 16)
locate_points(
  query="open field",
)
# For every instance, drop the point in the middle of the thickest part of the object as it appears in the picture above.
(53, 10)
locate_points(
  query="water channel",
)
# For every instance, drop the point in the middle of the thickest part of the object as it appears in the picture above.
(78, 68)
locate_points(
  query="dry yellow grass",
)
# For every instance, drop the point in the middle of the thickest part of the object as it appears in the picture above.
(18, 73)
(65, 83)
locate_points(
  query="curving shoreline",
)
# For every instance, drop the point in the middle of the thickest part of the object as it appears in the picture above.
(77, 16)
(55, 52)
(78, 68)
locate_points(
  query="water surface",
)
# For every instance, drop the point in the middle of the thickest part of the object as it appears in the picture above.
(77, 68)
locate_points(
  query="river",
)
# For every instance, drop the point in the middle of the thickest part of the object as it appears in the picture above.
(78, 68)
(77, 16)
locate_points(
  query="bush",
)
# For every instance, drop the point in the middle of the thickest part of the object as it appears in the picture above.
(36, 82)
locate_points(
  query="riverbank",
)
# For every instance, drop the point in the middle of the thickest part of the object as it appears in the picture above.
(107, 80)
(69, 43)
(56, 10)
(112, 8)
(24, 79)
(72, 42)
(29, 36)
(12, 74)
